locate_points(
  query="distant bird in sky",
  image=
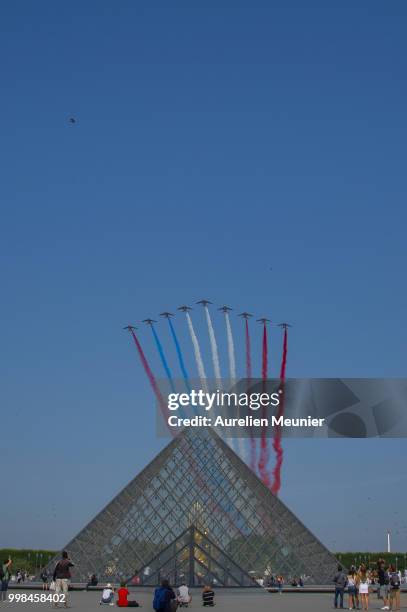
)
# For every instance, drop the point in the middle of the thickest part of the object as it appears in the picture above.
(72, 120)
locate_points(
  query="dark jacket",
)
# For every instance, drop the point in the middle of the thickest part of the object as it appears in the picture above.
(62, 569)
(168, 596)
(383, 576)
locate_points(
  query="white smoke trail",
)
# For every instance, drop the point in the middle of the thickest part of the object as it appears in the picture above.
(197, 351)
(241, 448)
(231, 351)
(214, 348)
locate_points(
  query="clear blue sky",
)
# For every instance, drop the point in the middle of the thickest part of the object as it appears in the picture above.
(213, 141)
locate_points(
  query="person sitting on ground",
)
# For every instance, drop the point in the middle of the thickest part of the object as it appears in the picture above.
(208, 596)
(107, 595)
(184, 598)
(164, 597)
(123, 601)
(93, 581)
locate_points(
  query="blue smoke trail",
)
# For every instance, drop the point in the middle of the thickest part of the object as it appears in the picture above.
(163, 359)
(180, 357)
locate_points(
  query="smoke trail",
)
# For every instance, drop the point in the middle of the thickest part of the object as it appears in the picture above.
(197, 351)
(264, 361)
(214, 348)
(162, 357)
(264, 451)
(231, 350)
(249, 378)
(248, 353)
(151, 377)
(202, 481)
(284, 358)
(180, 356)
(232, 376)
(277, 436)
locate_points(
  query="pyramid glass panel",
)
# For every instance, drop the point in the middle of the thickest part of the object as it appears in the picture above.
(198, 513)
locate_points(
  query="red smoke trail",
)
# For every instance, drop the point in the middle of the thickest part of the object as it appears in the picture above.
(284, 358)
(249, 377)
(215, 505)
(277, 436)
(151, 378)
(264, 451)
(248, 353)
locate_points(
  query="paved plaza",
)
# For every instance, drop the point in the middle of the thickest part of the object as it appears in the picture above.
(238, 600)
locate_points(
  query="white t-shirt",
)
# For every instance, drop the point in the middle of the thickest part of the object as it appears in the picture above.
(183, 592)
(106, 593)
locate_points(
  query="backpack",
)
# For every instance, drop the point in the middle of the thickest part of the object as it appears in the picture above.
(160, 598)
(394, 580)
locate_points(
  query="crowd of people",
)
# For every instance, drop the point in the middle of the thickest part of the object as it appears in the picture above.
(358, 584)
(166, 599)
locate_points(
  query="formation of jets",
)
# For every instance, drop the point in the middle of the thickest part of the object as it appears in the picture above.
(225, 309)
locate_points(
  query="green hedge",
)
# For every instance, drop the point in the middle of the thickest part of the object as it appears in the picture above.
(399, 559)
(32, 560)
(26, 559)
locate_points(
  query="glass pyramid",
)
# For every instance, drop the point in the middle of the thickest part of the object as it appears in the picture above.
(198, 513)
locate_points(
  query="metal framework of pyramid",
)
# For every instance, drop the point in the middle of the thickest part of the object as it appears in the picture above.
(198, 514)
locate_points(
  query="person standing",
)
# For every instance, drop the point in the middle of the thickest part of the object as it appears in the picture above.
(394, 579)
(62, 575)
(340, 581)
(5, 578)
(384, 588)
(363, 587)
(351, 581)
(44, 578)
